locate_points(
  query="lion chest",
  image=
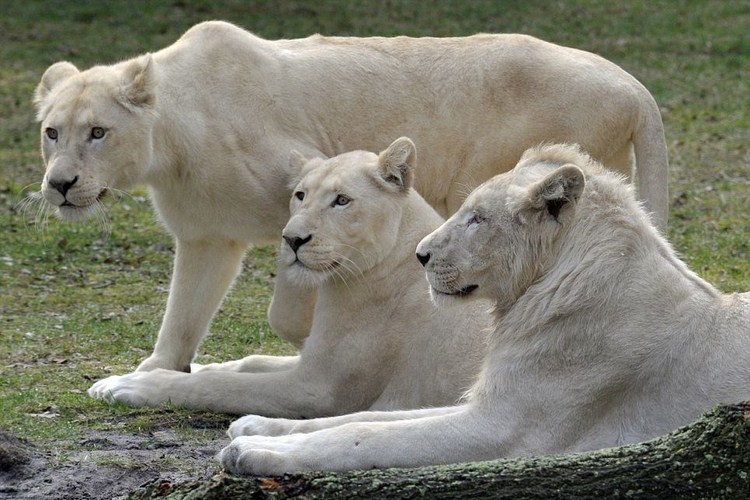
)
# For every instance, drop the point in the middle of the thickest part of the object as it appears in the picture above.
(213, 208)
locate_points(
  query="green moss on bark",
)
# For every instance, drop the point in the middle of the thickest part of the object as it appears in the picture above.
(709, 458)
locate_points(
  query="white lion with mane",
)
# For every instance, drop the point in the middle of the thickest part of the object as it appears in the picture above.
(207, 124)
(377, 342)
(602, 336)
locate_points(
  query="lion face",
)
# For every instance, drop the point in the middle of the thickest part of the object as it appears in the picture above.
(496, 244)
(95, 132)
(346, 212)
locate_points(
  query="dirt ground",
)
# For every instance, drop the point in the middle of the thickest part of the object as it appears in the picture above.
(108, 465)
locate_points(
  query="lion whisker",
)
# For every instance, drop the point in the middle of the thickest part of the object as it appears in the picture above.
(34, 204)
(345, 264)
(119, 194)
(102, 218)
(368, 260)
(354, 268)
(30, 185)
(464, 189)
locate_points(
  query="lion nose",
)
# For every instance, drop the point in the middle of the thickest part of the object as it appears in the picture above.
(296, 241)
(62, 185)
(423, 258)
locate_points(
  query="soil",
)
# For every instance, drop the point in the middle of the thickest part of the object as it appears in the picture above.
(109, 464)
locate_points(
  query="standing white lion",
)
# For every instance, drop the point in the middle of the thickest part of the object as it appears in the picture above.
(207, 124)
(602, 336)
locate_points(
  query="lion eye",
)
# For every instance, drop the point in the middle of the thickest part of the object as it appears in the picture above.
(299, 195)
(97, 132)
(51, 133)
(341, 200)
(475, 219)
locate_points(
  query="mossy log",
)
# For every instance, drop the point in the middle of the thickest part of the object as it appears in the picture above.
(709, 458)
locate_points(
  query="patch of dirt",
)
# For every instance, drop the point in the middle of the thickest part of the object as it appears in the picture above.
(109, 464)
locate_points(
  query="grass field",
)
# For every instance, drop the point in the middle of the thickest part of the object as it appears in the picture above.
(78, 302)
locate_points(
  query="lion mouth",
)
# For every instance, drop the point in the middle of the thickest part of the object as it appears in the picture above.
(99, 197)
(315, 274)
(462, 292)
(317, 267)
(467, 290)
(70, 211)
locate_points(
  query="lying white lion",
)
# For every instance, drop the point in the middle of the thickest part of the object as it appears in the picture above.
(207, 125)
(602, 336)
(377, 341)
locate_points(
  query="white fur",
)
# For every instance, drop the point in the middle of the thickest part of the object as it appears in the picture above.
(602, 336)
(377, 342)
(208, 122)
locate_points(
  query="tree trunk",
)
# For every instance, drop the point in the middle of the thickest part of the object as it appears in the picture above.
(709, 458)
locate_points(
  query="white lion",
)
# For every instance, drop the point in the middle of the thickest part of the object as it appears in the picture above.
(602, 336)
(208, 122)
(377, 341)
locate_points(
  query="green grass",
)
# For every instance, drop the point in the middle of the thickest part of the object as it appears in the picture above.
(77, 303)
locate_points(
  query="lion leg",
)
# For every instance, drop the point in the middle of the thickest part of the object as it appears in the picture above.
(456, 437)
(203, 272)
(288, 394)
(256, 363)
(256, 425)
(291, 311)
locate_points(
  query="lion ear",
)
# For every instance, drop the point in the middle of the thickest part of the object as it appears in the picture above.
(558, 193)
(55, 74)
(299, 165)
(297, 160)
(138, 82)
(397, 163)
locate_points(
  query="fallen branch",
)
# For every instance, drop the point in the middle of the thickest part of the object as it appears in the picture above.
(709, 458)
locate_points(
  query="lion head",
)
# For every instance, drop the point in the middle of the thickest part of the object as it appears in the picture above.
(345, 212)
(497, 244)
(95, 131)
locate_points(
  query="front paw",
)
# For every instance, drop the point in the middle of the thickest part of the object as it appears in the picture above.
(255, 425)
(257, 455)
(132, 389)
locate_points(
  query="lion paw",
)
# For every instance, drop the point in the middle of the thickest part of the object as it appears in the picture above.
(255, 425)
(132, 389)
(258, 455)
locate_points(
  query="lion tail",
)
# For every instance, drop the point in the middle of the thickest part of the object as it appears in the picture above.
(652, 164)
